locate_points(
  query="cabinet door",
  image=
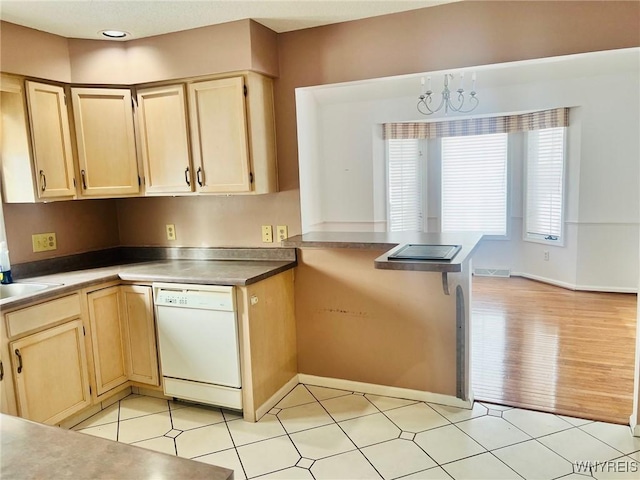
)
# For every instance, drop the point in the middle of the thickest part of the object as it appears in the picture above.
(17, 174)
(107, 338)
(51, 140)
(164, 144)
(7, 400)
(140, 334)
(106, 145)
(50, 370)
(219, 135)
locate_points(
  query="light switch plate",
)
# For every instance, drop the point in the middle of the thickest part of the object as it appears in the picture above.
(283, 232)
(267, 234)
(171, 231)
(43, 242)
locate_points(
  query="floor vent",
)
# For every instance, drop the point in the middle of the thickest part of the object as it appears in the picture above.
(492, 272)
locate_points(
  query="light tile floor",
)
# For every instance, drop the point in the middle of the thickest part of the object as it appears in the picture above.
(322, 433)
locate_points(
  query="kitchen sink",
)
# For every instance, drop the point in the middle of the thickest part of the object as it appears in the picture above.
(15, 289)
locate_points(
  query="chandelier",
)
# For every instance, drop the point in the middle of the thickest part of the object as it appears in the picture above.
(459, 104)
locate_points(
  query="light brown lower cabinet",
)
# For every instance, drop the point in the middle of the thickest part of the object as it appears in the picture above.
(139, 334)
(50, 371)
(107, 338)
(268, 348)
(54, 352)
(123, 336)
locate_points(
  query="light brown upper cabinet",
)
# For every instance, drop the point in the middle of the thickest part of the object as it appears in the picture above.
(219, 136)
(163, 139)
(106, 144)
(49, 174)
(261, 127)
(53, 158)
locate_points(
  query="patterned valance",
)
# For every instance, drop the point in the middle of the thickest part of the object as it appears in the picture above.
(558, 117)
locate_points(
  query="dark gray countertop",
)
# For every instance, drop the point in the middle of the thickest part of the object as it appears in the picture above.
(32, 450)
(205, 272)
(393, 241)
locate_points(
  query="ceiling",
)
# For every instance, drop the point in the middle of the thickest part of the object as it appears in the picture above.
(86, 18)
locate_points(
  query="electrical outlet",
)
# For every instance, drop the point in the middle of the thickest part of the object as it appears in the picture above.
(171, 231)
(267, 234)
(282, 232)
(546, 255)
(44, 241)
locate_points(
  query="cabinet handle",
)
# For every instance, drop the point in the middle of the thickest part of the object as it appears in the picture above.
(199, 176)
(84, 179)
(19, 360)
(43, 180)
(1, 370)
(186, 176)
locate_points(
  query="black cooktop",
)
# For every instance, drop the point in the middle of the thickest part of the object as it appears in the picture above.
(426, 252)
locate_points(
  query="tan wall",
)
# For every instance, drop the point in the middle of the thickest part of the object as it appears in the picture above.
(452, 35)
(447, 36)
(26, 51)
(98, 61)
(207, 221)
(375, 326)
(228, 47)
(264, 50)
(80, 226)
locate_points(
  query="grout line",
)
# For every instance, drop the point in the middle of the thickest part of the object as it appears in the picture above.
(348, 437)
(287, 432)
(360, 449)
(175, 444)
(118, 427)
(426, 470)
(603, 441)
(233, 442)
(540, 436)
(506, 465)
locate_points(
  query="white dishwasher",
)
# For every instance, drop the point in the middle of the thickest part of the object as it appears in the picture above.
(198, 343)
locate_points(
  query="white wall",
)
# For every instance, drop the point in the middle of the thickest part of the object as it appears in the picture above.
(603, 89)
(311, 179)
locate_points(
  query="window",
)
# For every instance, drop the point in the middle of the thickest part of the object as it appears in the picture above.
(405, 185)
(474, 184)
(544, 199)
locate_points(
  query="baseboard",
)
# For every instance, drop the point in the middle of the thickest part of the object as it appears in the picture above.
(633, 423)
(147, 392)
(397, 392)
(572, 286)
(591, 288)
(276, 397)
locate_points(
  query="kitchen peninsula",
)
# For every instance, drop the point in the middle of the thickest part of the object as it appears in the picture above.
(394, 327)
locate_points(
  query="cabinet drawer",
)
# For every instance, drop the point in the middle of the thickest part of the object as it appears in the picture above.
(43, 314)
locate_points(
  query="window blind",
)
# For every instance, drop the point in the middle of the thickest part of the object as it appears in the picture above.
(474, 184)
(545, 184)
(404, 186)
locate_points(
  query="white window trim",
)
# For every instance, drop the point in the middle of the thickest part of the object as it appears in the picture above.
(536, 238)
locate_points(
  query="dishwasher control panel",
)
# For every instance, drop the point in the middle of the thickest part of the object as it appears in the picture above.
(205, 297)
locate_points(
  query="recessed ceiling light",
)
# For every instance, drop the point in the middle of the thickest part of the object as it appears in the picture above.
(113, 33)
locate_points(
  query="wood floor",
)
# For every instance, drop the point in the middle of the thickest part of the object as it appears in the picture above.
(546, 348)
